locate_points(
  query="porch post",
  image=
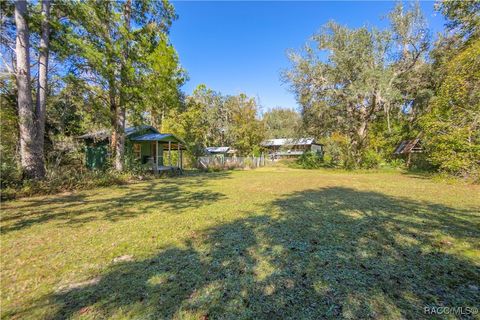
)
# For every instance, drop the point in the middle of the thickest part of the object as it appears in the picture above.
(181, 159)
(170, 153)
(178, 155)
(156, 157)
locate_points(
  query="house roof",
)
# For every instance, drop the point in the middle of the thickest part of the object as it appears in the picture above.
(288, 142)
(105, 134)
(407, 146)
(161, 137)
(217, 149)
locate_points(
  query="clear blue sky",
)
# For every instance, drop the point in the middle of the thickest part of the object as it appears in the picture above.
(235, 47)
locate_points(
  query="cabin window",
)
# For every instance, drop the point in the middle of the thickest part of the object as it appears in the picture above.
(137, 150)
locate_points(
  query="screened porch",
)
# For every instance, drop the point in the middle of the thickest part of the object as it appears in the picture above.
(162, 151)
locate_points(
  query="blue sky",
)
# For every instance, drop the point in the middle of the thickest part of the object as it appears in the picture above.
(235, 47)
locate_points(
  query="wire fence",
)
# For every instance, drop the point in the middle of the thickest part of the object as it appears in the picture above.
(215, 162)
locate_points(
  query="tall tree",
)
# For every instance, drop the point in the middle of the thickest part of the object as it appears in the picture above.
(125, 80)
(451, 127)
(245, 130)
(162, 81)
(212, 119)
(43, 54)
(359, 81)
(31, 118)
(107, 52)
(463, 17)
(282, 123)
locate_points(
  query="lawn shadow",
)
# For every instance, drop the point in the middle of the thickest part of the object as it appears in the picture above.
(173, 195)
(328, 253)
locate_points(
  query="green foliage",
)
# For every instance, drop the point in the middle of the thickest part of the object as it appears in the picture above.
(70, 178)
(336, 151)
(282, 123)
(361, 91)
(366, 78)
(310, 160)
(161, 81)
(463, 16)
(211, 119)
(396, 163)
(244, 129)
(452, 127)
(371, 159)
(10, 172)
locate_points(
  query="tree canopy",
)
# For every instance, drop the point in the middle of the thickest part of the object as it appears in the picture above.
(72, 67)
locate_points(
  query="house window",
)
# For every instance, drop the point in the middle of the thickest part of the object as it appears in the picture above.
(137, 150)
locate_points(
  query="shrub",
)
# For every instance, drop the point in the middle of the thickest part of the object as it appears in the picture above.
(396, 163)
(371, 159)
(310, 160)
(337, 151)
(70, 178)
(10, 175)
(421, 161)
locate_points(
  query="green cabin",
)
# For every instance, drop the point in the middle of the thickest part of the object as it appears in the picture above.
(143, 144)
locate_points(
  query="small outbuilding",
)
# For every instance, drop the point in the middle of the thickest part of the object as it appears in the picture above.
(408, 147)
(291, 147)
(144, 144)
(220, 151)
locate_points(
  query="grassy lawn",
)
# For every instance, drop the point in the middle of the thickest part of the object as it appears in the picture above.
(270, 243)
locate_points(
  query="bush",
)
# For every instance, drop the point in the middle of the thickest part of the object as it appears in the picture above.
(69, 178)
(396, 163)
(10, 175)
(420, 161)
(337, 151)
(371, 159)
(310, 160)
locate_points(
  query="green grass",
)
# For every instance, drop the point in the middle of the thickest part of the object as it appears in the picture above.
(272, 243)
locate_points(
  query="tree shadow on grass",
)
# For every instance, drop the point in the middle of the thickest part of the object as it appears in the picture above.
(329, 253)
(169, 195)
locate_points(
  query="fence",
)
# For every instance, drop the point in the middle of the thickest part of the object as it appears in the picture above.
(215, 162)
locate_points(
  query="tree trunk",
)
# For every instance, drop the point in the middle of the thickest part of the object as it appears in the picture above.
(31, 153)
(387, 112)
(120, 121)
(162, 119)
(120, 138)
(43, 73)
(113, 113)
(361, 135)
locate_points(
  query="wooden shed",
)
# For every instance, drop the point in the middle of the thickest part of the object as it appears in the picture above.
(408, 147)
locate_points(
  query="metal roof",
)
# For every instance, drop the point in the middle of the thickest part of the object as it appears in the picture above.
(156, 137)
(288, 142)
(407, 146)
(152, 137)
(217, 149)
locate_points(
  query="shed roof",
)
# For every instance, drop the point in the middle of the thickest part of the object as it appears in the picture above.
(407, 146)
(288, 142)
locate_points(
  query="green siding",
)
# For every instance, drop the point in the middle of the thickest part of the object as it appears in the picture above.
(96, 155)
(146, 149)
